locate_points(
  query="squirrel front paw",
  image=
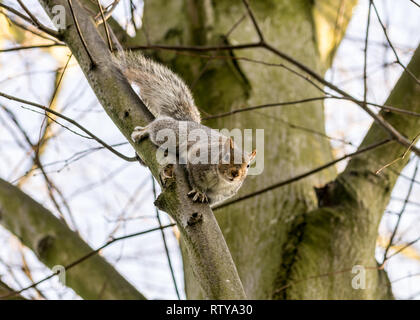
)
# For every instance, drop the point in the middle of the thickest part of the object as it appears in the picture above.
(198, 196)
(166, 174)
(139, 133)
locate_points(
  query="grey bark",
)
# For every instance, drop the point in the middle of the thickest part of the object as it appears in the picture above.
(279, 240)
(55, 244)
(285, 243)
(212, 263)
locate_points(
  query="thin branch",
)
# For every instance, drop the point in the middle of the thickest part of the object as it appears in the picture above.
(66, 162)
(105, 25)
(42, 135)
(305, 129)
(39, 46)
(418, 5)
(406, 277)
(196, 48)
(131, 159)
(16, 12)
(37, 23)
(264, 106)
(254, 21)
(306, 78)
(301, 176)
(403, 248)
(402, 157)
(168, 257)
(407, 198)
(37, 162)
(100, 19)
(85, 257)
(212, 262)
(76, 23)
(323, 275)
(29, 27)
(326, 97)
(365, 91)
(391, 45)
(378, 118)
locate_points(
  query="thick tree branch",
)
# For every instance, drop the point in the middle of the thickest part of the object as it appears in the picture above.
(55, 244)
(406, 92)
(209, 254)
(351, 208)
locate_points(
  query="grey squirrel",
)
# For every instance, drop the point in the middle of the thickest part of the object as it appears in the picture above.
(171, 102)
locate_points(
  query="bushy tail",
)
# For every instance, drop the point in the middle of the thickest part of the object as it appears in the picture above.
(163, 92)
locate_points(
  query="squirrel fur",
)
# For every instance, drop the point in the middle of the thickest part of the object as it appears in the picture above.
(170, 100)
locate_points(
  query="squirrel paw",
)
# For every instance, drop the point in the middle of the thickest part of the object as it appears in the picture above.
(167, 173)
(198, 196)
(139, 133)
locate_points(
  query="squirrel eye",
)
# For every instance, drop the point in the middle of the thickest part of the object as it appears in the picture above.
(247, 166)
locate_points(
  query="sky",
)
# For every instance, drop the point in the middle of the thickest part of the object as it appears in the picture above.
(104, 191)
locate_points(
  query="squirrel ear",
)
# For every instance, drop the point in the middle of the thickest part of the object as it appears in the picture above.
(252, 155)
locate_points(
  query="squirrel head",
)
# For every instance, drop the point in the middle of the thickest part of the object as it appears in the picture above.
(230, 168)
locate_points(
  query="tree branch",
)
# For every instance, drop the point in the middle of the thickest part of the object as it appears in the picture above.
(5, 290)
(351, 207)
(211, 260)
(55, 244)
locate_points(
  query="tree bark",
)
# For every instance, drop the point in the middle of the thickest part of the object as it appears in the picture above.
(256, 230)
(342, 233)
(286, 243)
(212, 264)
(55, 244)
(268, 234)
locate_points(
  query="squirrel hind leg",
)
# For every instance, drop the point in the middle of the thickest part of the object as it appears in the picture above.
(139, 133)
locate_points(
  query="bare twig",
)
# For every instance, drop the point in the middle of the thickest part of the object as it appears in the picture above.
(391, 45)
(28, 27)
(326, 97)
(196, 48)
(254, 21)
(17, 13)
(100, 19)
(365, 91)
(418, 5)
(105, 25)
(264, 106)
(301, 176)
(76, 23)
(85, 257)
(37, 23)
(39, 46)
(402, 157)
(378, 118)
(210, 258)
(168, 257)
(394, 232)
(403, 248)
(131, 159)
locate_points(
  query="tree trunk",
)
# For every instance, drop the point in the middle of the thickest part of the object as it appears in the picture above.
(287, 243)
(279, 237)
(212, 264)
